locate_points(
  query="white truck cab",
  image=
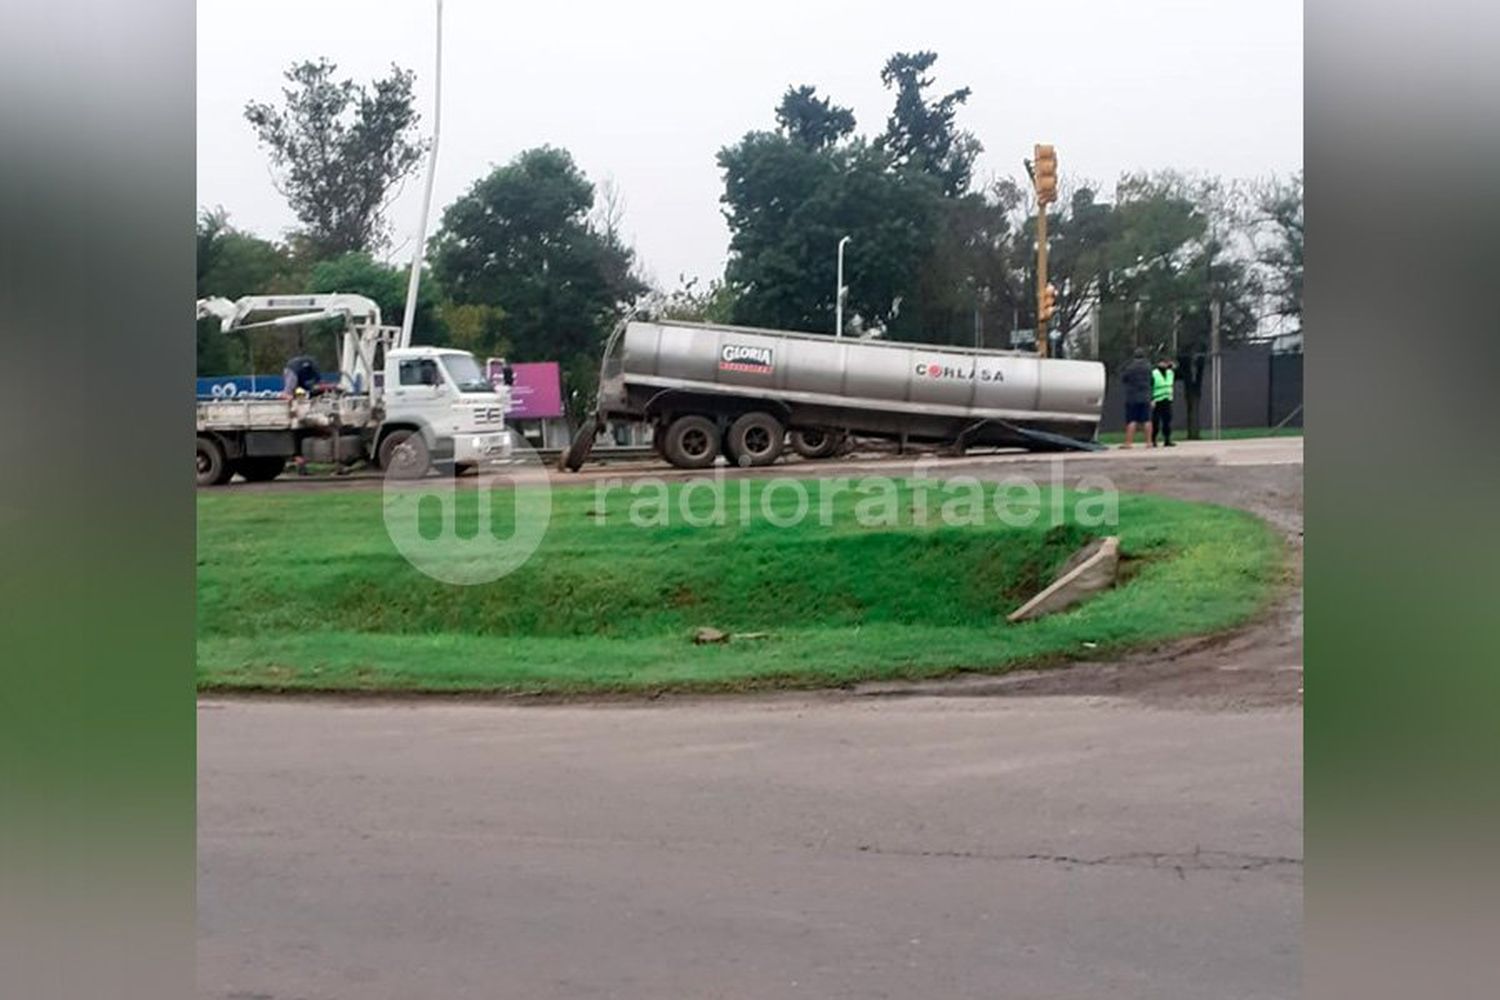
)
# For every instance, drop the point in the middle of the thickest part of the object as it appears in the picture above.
(444, 393)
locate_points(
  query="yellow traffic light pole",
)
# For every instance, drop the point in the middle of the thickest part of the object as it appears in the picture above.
(1044, 177)
(1041, 279)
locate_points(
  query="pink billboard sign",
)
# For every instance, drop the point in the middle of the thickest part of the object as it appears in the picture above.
(536, 393)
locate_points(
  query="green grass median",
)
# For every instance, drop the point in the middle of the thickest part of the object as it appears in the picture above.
(305, 591)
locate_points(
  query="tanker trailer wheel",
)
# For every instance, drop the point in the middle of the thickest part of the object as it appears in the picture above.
(691, 442)
(755, 439)
(212, 468)
(404, 455)
(815, 442)
(260, 468)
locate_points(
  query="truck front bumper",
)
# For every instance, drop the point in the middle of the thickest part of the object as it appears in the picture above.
(488, 447)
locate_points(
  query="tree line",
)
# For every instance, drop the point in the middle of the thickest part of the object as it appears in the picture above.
(530, 263)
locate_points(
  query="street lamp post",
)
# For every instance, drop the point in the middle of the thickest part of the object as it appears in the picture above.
(415, 277)
(838, 309)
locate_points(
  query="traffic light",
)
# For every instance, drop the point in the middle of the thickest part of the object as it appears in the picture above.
(1046, 173)
(1048, 305)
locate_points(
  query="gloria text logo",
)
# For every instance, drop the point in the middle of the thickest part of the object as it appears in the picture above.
(746, 358)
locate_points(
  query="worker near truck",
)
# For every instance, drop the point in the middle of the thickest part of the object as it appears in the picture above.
(1163, 384)
(1137, 379)
(300, 374)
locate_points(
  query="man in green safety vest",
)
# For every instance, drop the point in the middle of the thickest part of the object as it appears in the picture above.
(1163, 379)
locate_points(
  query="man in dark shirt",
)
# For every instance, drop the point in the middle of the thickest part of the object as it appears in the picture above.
(1137, 381)
(300, 372)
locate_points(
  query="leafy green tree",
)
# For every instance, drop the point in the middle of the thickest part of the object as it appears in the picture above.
(477, 328)
(1153, 262)
(965, 289)
(361, 274)
(712, 304)
(811, 120)
(788, 204)
(1173, 254)
(1279, 244)
(232, 263)
(520, 241)
(928, 260)
(923, 134)
(340, 150)
(1080, 233)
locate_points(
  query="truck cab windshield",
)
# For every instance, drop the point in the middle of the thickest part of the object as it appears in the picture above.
(465, 373)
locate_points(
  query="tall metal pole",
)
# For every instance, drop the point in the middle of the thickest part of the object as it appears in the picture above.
(1041, 277)
(415, 278)
(838, 308)
(1213, 342)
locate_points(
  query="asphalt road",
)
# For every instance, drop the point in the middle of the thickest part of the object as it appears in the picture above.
(1125, 829)
(853, 847)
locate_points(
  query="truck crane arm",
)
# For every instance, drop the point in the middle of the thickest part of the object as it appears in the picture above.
(359, 314)
(289, 310)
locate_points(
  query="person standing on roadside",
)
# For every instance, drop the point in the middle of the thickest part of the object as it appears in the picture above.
(1163, 379)
(1137, 381)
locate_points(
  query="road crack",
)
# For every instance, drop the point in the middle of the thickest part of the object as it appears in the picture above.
(1180, 862)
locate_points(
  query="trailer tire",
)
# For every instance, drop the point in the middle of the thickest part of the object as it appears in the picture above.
(815, 442)
(756, 438)
(691, 442)
(260, 468)
(212, 468)
(404, 455)
(578, 450)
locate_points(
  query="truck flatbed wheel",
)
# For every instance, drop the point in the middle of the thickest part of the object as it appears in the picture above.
(212, 468)
(814, 442)
(691, 442)
(404, 455)
(260, 468)
(755, 439)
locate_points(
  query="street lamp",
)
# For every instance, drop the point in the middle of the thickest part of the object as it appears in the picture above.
(838, 309)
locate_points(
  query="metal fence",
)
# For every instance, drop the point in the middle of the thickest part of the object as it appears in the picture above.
(1261, 388)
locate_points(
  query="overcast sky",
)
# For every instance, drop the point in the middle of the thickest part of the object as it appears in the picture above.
(644, 93)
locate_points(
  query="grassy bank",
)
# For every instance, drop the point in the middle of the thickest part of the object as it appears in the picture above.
(306, 591)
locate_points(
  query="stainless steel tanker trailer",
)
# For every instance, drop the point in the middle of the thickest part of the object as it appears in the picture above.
(746, 393)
